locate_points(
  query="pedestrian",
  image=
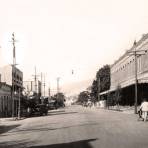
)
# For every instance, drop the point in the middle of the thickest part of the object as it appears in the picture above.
(144, 108)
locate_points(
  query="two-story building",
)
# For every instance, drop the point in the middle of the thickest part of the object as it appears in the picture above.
(13, 77)
(123, 73)
(5, 100)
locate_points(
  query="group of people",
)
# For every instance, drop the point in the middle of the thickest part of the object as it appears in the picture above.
(143, 111)
(87, 104)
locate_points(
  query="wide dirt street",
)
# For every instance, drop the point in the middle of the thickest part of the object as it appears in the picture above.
(76, 127)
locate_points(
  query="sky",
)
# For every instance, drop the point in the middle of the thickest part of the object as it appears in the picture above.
(61, 36)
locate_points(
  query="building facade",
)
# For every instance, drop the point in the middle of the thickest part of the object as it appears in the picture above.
(123, 72)
(5, 100)
(13, 77)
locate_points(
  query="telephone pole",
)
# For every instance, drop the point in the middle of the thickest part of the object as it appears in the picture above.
(41, 84)
(19, 107)
(13, 43)
(49, 94)
(35, 80)
(58, 88)
(13, 69)
(136, 53)
(44, 85)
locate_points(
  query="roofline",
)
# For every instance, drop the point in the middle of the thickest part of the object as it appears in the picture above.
(143, 38)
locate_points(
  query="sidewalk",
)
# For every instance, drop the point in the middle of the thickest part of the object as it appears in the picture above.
(124, 109)
(15, 119)
(10, 120)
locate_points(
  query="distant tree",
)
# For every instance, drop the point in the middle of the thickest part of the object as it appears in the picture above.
(103, 77)
(94, 91)
(101, 83)
(83, 96)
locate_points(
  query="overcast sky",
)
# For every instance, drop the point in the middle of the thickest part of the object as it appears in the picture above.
(58, 36)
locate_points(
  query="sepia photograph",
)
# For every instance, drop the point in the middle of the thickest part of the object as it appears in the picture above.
(73, 73)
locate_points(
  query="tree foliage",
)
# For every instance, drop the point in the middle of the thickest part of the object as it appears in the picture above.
(103, 78)
(94, 91)
(83, 96)
(102, 81)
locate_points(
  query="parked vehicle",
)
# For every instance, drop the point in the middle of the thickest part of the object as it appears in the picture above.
(42, 109)
(38, 110)
(52, 105)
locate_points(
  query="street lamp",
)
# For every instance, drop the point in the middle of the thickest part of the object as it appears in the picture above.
(136, 53)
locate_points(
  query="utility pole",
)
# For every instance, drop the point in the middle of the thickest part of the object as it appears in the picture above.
(35, 80)
(19, 108)
(58, 88)
(35, 86)
(49, 92)
(44, 86)
(41, 84)
(13, 69)
(13, 43)
(136, 53)
(31, 85)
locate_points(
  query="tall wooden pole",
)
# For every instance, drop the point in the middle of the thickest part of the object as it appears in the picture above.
(136, 53)
(44, 85)
(41, 84)
(35, 81)
(136, 82)
(19, 108)
(13, 71)
(58, 88)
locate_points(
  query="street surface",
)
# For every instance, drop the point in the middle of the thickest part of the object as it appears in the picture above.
(76, 127)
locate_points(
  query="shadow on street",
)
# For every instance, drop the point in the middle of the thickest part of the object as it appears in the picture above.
(75, 144)
(51, 113)
(6, 128)
(30, 130)
(60, 113)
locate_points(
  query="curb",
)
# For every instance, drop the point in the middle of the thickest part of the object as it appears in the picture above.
(10, 119)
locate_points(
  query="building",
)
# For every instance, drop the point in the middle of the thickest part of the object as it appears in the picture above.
(5, 100)
(123, 73)
(13, 77)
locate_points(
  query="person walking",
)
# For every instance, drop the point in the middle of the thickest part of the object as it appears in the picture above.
(144, 108)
